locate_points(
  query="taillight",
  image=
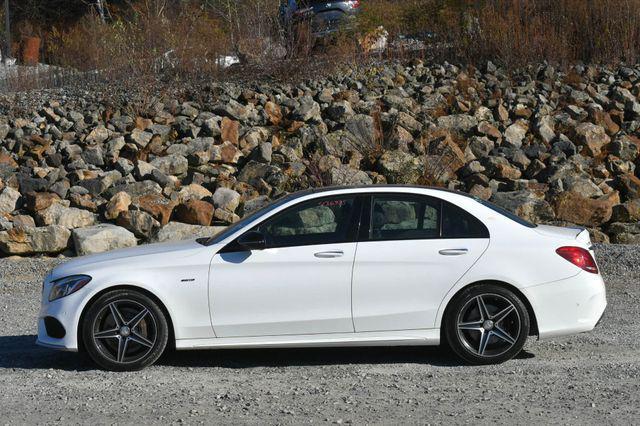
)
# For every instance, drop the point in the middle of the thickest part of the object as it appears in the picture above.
(355, 4)
(579, 257)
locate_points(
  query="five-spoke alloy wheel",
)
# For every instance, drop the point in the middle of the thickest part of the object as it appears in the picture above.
(486, 324)
(124, 330)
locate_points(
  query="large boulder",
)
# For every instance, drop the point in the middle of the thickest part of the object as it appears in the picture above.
(61, 214)
(157, 206)
(528, 205)
(176, 231)
(101, 238)
(226, 199)
(36, 201)
(345, 175)
(195, 212)
(625, 233)
(8, 200)
(307, 110)
(592, 137)
(576, 208)
(171, 164)
(142, 224)
(30, 240)
(459, 123)
(629, 185)
(627, 212)
(117, 204)
(400, 167)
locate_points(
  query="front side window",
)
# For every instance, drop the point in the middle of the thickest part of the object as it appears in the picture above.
(319, 221)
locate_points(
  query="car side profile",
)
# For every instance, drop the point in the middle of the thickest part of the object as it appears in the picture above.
(360, 266)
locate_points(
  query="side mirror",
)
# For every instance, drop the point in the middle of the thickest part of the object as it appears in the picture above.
(252, 240)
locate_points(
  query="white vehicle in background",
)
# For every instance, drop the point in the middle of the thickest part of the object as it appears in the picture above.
(363, 266)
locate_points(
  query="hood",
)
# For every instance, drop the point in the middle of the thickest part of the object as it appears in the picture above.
(166, 253)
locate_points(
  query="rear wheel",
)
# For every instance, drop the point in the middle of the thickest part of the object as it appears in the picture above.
(486, 324)
(124, 330)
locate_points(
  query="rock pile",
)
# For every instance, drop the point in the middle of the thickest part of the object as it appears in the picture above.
(554, 147)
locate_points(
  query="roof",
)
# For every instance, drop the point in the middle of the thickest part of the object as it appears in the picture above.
(372, 187)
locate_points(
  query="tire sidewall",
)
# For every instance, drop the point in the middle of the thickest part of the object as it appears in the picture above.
(450, 324)
(161, 324)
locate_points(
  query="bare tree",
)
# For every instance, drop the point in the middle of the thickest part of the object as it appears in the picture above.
(7, 28)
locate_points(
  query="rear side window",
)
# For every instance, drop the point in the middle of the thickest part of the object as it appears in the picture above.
(409, 217)
(404, 218)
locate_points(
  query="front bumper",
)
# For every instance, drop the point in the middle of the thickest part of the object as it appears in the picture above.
(570, 306)
(66, 312)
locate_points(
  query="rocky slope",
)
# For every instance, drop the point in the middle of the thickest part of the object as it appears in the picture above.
(80, 172)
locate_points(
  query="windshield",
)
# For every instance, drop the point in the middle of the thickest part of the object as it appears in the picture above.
(225, 233)
(506, 213)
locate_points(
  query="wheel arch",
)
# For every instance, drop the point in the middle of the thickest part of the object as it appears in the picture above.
(533, 331)
(156, 299)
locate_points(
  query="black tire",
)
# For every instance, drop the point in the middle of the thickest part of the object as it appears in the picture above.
(133, 341)
(492, 338)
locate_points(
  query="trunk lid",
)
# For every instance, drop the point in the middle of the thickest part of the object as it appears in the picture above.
(580, 235)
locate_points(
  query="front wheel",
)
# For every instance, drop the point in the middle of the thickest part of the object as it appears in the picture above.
(486, 324)
(124, 330)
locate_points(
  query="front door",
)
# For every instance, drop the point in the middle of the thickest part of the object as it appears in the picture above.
(299, 284)
(415, 250)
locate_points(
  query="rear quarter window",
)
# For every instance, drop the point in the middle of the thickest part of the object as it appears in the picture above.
(458, 223)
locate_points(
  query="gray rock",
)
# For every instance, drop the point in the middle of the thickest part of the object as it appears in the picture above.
(62, 215)
(177, 231)
(461, 123)
(142, 224)
(101, 238)
(345, 175)
(140, 137)
(255, 204)
(226, 199)
(25, 241)
(400, 167)
(514, 135)
(625, 233)
(526, 204)
(8, 200)
(171, 164)
(308, 110)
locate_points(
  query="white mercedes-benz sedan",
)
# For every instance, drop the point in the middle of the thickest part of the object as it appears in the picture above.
(363, 266)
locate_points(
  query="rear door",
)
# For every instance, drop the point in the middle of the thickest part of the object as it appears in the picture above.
(412, 250)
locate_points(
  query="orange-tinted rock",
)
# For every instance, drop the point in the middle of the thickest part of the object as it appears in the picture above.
(195, 212)
(157, 206)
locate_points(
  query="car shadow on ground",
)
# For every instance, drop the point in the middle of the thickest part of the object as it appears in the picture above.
(21, 352)
(288, 357)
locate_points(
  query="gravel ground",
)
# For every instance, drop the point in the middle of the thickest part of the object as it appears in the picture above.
(592, 378)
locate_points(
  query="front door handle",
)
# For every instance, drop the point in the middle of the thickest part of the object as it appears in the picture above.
(453, 252)
(329, 254)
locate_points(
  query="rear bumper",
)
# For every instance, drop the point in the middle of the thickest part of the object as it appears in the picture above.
(570, 306)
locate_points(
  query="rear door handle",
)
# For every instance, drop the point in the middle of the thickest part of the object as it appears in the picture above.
(453, 252)
(329, 254)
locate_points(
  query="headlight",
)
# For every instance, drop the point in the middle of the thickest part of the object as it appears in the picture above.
(66, 286)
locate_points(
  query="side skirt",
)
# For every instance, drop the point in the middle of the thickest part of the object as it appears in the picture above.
(426, 337)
